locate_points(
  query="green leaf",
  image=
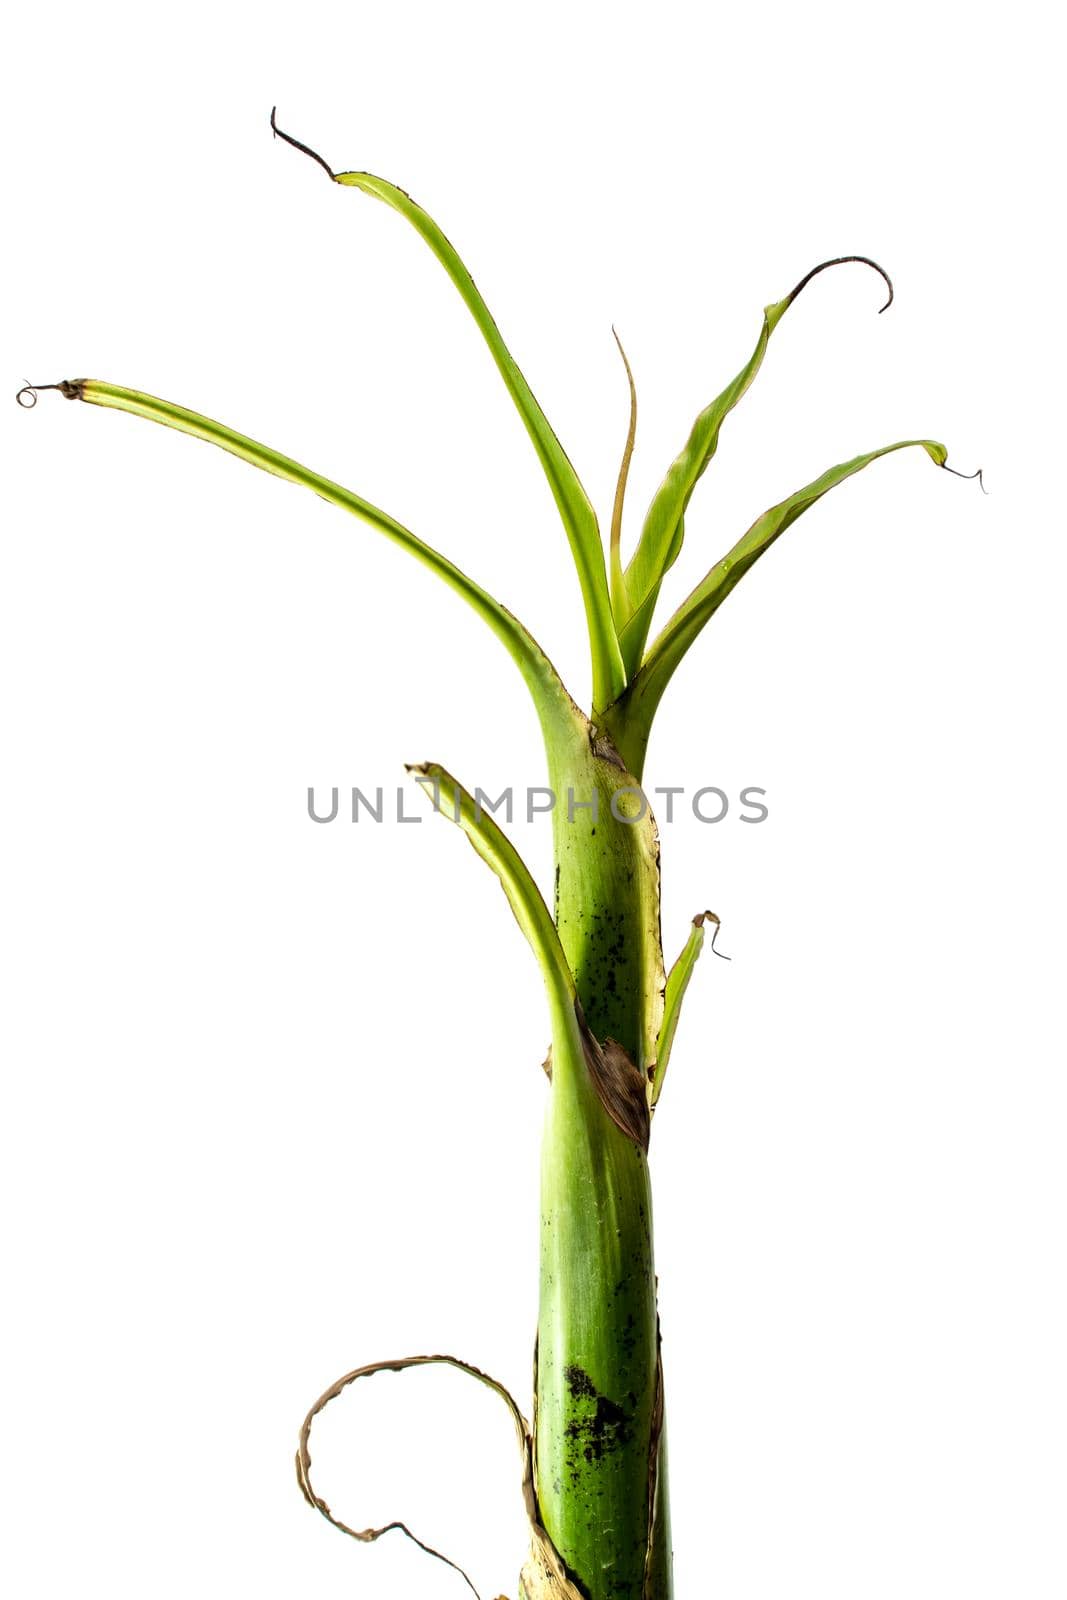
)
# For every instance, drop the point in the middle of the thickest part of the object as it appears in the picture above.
(524, 897)
(663, 531)
(677, 983)
(620, 600)
(574, 505)
(638, 706)
(550, 697)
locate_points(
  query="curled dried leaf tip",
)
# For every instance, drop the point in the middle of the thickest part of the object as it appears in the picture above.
(841, 261)
(709, 916)
(968, 475)
(297, 144)
(69, 388)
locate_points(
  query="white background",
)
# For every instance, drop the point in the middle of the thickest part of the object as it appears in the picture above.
(273, 1094)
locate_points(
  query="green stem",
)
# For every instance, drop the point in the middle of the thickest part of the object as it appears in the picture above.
(600, 1478)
